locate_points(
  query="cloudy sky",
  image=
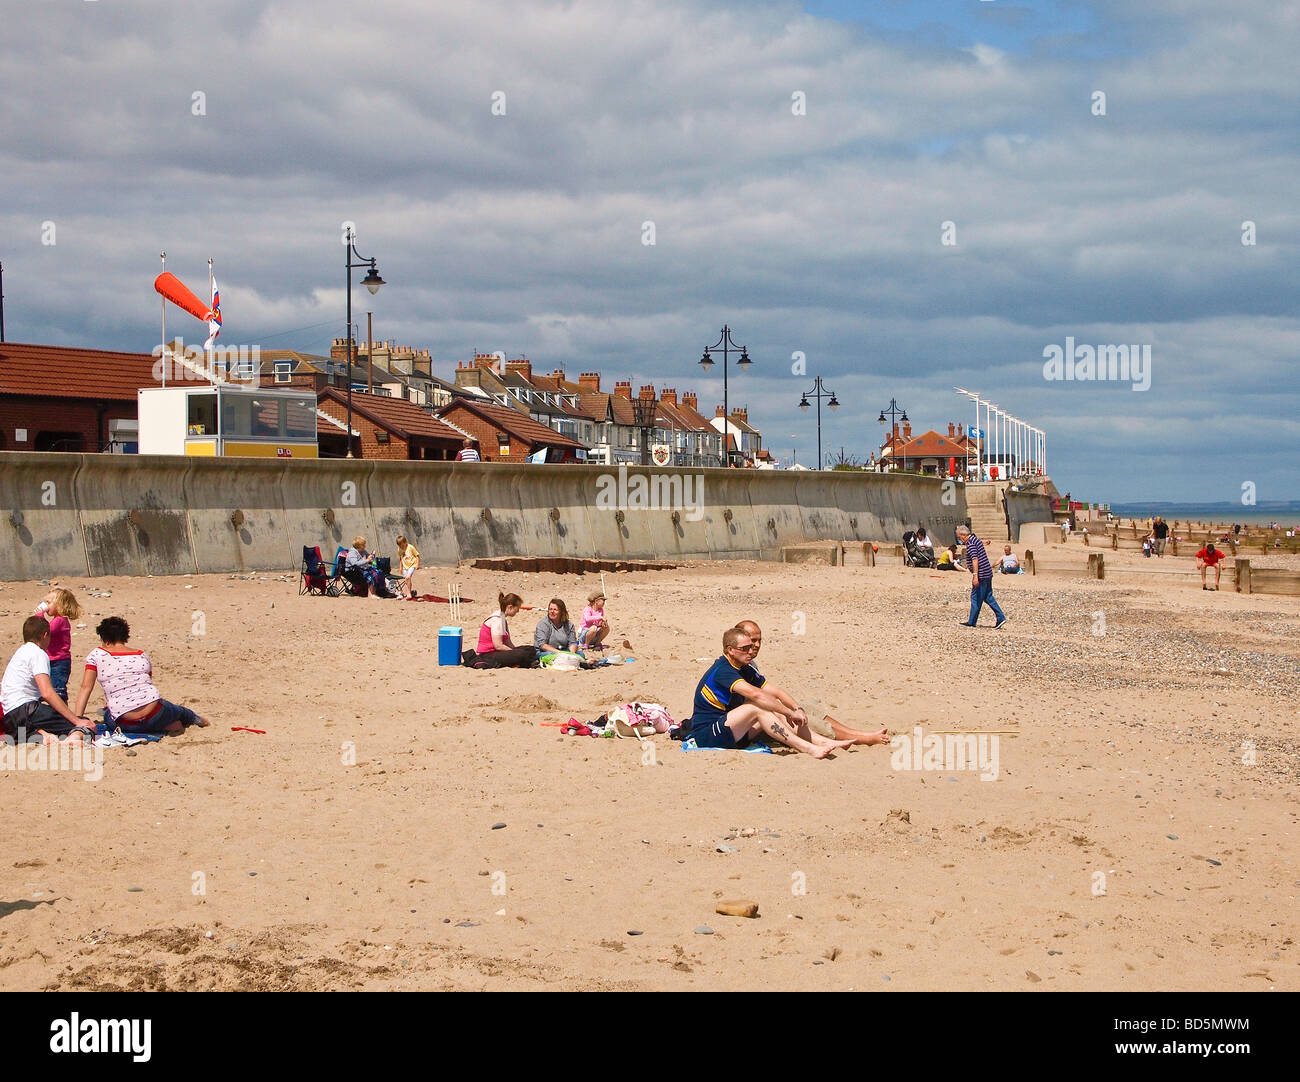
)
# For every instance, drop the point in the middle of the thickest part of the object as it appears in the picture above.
(798, 162)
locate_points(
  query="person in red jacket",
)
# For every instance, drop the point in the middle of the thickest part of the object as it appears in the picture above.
(1210, 557)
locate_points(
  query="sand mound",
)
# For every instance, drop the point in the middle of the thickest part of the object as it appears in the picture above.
(528, 704)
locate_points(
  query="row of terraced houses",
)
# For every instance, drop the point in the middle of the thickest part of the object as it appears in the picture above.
(69, 399)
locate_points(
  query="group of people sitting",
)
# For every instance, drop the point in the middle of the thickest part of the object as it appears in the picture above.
(554, 633)
(366, 571)
(947, 559)
(34, 690)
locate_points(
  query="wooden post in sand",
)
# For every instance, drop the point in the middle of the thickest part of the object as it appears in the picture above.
(1096, 566)
(1114, 540)
(1029, 561)
(1243, 576)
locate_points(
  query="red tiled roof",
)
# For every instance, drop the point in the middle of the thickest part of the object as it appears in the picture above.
(396, 415)
(697, 420)
(71, 372)
(512, 421)
(931, 444)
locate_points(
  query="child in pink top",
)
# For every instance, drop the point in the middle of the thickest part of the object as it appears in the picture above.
(59, 608)
(594, 625)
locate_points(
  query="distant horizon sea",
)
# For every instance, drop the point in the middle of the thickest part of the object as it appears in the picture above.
(1284, 513)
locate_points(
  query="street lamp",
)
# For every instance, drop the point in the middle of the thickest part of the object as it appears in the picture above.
(819, 392)
(895, 415)
(372, 282)
(706, 362)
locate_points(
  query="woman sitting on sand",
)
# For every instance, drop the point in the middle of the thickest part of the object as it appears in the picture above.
(126, 676)
(555, 630)
(495, 650)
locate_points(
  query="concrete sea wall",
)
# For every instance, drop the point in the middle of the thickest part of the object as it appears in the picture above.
(71, 514)
(1024, 508)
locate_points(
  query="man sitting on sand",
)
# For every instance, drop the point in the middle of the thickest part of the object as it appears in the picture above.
(1009, 564)
(30, 703)
(1210, 557)
(829, 727)
(731, 706)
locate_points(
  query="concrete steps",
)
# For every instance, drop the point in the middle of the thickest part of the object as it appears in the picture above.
(988, 523)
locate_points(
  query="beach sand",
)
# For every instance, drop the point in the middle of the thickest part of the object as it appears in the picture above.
(230, 860)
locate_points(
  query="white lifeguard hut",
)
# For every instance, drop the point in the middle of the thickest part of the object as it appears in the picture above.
(217, 417)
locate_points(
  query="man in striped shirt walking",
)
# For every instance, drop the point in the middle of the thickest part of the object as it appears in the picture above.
(981, 578)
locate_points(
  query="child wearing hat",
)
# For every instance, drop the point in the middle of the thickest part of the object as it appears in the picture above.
(594, 626)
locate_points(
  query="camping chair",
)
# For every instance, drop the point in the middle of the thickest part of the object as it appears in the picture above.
(314, 578)
(342, 581)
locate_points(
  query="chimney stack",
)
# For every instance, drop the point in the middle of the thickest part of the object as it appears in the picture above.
(590, 381)
(907, 430)
(717, 410)
(741, 414)
(669, 395)
(523, 367)
(559, 374)
(959, 435)
(690, 401)
(647, 392)
(623, 389)
(951, 430)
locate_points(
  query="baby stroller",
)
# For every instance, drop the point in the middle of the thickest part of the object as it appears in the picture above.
(916, 555)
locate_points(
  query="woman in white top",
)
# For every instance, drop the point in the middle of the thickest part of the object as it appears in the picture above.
(126, 676)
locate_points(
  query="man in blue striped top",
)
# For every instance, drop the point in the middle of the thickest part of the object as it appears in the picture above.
(981, 578)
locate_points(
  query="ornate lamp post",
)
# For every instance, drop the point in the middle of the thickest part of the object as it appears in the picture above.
(819, 392)
(643, 412)
(706, 362)
(372, 282)
(895, 415)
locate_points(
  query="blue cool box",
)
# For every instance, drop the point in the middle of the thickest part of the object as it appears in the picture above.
(449, 648)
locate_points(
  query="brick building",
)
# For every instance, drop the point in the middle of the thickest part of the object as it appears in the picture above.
(60, 398)
(506, 435)
(389, 428)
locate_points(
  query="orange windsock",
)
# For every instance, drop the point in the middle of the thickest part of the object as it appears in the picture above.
(175, 291)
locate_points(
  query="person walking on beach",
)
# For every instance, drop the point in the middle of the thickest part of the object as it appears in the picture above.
(1161, 531)
(981, 577)
(1210, 557)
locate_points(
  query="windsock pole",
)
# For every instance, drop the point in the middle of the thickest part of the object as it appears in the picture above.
(211, 369)
(163, 351)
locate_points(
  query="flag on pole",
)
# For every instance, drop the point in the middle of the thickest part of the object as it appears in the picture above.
(214, 317)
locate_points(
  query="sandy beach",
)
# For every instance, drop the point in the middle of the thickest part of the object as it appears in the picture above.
(1124, 844)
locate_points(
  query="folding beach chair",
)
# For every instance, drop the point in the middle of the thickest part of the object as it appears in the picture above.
(342, 581)
(314, 577)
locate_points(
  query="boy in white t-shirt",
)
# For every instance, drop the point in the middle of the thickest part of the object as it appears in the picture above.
(30, 703)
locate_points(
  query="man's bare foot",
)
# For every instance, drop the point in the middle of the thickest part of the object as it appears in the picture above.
(857, 736)
(820, 751)
(202, 723)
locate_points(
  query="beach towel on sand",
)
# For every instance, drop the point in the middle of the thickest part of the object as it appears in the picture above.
(753, 749)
